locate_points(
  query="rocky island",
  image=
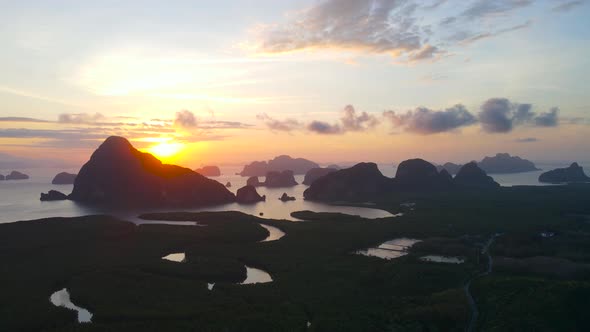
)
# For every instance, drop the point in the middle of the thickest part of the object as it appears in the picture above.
(501, 163)
(249, 195)
(504, 163)
(573, 173)
(418, 174)
(278, 164)
(286, 198)
(53, 195)
(64, 178)
(16, 175)
(274, 180)
(451, 168)
(364, 182)
(118, 174)
(212, 171)
(316, 173)
(361, 182)
(471, 176)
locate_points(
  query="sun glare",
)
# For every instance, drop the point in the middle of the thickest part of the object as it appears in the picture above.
(165, 149)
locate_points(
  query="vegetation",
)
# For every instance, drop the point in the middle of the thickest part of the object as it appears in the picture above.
(114, 268)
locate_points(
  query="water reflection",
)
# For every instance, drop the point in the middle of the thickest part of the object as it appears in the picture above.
(390, 249)
(274, 233)
(61, 298)
(21, 198)
(256, 276)
(138, 221)
(179, 257)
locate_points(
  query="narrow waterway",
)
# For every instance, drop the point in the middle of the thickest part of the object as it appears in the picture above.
(473, 306)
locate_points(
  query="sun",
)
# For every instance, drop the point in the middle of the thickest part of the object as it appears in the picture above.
(165, 149)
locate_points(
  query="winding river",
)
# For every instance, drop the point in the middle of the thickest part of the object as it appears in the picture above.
(61, 298)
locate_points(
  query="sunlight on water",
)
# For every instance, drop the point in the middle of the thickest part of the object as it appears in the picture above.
(274, 235)
(256, 276)
(176, 257)
(21, 198)
(390, 249)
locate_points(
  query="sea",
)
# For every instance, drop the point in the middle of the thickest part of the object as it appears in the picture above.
(19, 199)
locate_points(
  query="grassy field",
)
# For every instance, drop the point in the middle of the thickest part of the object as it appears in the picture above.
(114, 268)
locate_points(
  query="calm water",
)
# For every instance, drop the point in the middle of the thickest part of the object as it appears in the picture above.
(256, 276)
(61, 298)
(179, 257)
(274, 233)
(442, 259)
(19, 200)
(390, 249)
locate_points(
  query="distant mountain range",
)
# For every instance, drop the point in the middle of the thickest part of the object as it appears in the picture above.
(501, 163)
(279, 164)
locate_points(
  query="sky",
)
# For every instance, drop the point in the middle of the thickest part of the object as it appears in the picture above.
(228, 82)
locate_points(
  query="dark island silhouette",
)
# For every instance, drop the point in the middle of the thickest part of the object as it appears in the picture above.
(418, 174)
(316, 173)
(501, 163)
(278, 164)
(504, 163)
(118, 174)
(54, 195)
(64, 178)
(472, 176)
(274, 180)
(286, 198)
(212, 171)
(249, 195)
(360, 182)
(364, 181)
(1, 177)
(573, 173)
(452, 168)
(16, 175)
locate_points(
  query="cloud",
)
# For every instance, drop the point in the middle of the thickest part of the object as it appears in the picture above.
(8, 161)
(567, 6)
(185, 119)
(426, 121)
(384, 26)
(352, 122)
(576, 120)
(21, 119)
(496, 115)
(548, 119)
(321, 127)
(425, 53)
(523, 113)
(486, 8)
(464, 37)
(349, 121)
(278, 125)
(80, 118)
(499, 115)
(526, 140)
(50, 134)
(434, 4)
